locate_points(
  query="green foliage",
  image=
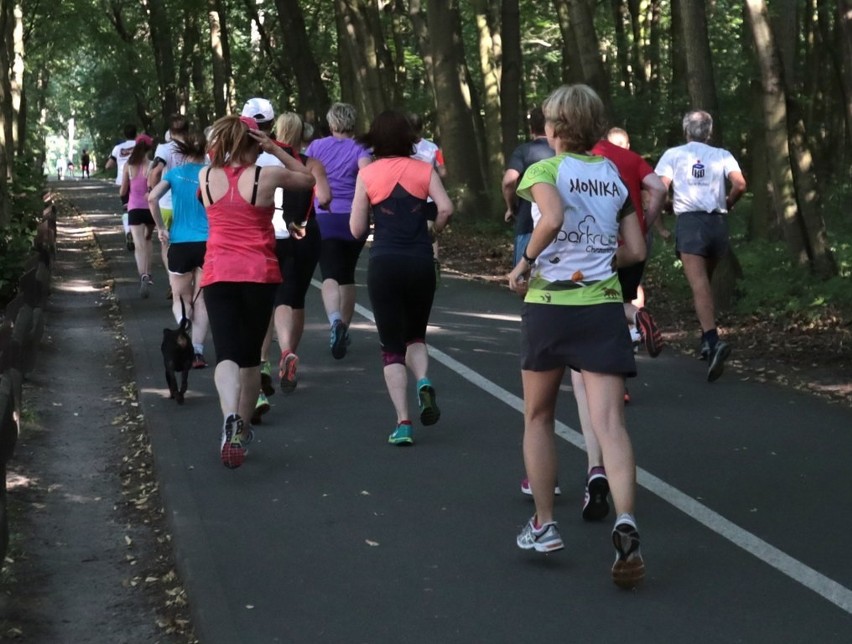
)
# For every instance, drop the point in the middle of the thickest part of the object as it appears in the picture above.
(16, 239)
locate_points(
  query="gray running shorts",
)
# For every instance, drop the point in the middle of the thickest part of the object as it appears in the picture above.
(701, 233)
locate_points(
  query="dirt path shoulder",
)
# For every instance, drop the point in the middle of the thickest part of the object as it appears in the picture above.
(90, 559)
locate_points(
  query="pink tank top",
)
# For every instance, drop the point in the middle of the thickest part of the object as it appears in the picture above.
(241, 243)
(138, 195)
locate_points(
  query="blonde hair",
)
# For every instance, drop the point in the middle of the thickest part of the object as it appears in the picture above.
(577, 115)
(230, 143)
(289, 129)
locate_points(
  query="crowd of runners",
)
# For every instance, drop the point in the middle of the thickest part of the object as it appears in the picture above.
(247, 210)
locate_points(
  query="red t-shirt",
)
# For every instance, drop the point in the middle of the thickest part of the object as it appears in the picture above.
(632, 168)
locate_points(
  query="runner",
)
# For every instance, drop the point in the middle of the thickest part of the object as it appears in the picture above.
(697, 172)
(186, 238)
(241, 273)
(117, 158)
(401, 276)
(573, 317)
(134, 187)
(342, 157)
(428, 151)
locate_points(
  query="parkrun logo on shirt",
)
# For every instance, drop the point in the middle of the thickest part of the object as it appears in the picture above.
(698, 170)
(586, 233)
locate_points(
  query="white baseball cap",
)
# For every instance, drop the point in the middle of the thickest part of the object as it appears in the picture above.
(259, 109)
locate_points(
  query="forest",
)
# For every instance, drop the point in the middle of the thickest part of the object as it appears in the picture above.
(775, 74)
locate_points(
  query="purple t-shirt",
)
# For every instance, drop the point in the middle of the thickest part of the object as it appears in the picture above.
(340, 159)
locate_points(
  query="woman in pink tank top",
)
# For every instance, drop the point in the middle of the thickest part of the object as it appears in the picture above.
(134, 185)
(241, 272)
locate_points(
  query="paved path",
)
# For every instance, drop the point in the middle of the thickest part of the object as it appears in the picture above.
(328, 534)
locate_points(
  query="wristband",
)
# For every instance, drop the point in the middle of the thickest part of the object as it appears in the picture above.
(529, 260)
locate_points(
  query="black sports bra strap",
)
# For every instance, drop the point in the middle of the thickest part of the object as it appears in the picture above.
(256, 179)
(207, 186)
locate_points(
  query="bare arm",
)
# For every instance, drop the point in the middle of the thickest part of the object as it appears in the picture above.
(297, 177)
(323, 189)
(656, 190)
(156, 173)
(125, 182)
(442, 201)
(110, 163)
(633, 250)
(359, 219)
(738, 187)
(552, 217)
(509, 187)
(154, 206)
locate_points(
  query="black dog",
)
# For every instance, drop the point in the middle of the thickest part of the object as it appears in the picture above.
(177, 355)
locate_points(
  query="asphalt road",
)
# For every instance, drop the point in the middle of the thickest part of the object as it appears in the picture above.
(329, 534)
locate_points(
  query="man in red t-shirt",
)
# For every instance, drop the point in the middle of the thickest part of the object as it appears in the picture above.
(640, 178)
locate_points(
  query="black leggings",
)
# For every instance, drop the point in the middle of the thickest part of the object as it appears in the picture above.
(239, 315)
(338, 258)
(401, 291)
(298, 260)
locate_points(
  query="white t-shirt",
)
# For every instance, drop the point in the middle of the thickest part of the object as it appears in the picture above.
(426, 150)
(697, 172)
(266, 159)
(169, 153)
(121, 153)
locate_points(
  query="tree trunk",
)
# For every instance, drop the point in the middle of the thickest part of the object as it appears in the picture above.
(583, 26)
(622, 50)
(639, 23)
(6, 112)
(312, 100)
(164, 58)
(510, 82)
(454, 114)
(279, 63)
(844, 37)
(220, 72)
(776, 120)
(361, 49)
(424, 44)
(18, 102)
(651, 60)
(572, 68)
(699, 64)
(490, 55)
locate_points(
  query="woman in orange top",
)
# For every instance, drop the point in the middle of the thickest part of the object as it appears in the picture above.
(401, 274)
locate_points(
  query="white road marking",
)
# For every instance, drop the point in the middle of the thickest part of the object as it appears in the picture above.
(825, 587)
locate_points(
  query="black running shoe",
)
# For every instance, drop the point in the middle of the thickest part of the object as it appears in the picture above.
(339, 340)
(717, 359)
(128, 241)
(595, 505)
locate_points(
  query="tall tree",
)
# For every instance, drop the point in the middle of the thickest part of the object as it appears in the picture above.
(572, 68)
(486, 14)
(583, 26)
(312, 100)
(6, 111)
(163, 55)
(844, 37)
(454, 113)
(699, 63)
(223, 94)
(803, 229)
(510, 82)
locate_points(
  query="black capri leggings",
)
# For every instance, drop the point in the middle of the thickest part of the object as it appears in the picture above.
(239, 315)
(338, 258)
(401, 291)
(298, 259)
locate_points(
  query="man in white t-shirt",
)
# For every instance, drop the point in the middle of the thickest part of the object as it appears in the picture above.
(117, 158)
(697, 173)
(428, 151)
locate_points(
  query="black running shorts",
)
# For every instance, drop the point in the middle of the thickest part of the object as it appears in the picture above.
(185, 257)
(585, 338)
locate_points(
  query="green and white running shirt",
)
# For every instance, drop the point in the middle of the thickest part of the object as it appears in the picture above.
(578, 267)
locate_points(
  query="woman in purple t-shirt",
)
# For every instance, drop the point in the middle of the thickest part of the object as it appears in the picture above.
(342, 157)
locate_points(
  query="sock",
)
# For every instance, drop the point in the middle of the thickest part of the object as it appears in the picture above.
(198, 348)
(423, 382)
(711, 337)
(334, 317)
(625, 517)
(404, 422)
(597, 470)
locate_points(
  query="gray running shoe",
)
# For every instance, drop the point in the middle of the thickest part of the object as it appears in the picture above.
(717, 359)
(545, 539)
(629, 568)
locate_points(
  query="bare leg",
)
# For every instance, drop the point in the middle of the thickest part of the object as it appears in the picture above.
(540, 391)
(347, 302)
(593, 448)
(331, 297)
(698, 271)
(605, 395)
(417, 359)
(396, 380)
